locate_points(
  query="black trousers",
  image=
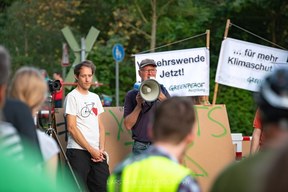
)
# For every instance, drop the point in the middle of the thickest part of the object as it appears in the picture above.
(91, 176)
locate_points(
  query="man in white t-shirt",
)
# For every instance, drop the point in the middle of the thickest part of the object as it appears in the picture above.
(86, 139)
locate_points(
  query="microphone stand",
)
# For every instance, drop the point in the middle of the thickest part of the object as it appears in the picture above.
(52, 133)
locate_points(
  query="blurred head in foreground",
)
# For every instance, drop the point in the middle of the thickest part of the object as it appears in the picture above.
(272, 100)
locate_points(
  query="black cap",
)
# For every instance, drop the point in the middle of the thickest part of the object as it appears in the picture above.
(146, 62)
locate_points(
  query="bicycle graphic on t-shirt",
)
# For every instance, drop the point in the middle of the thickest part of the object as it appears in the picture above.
(88, 109)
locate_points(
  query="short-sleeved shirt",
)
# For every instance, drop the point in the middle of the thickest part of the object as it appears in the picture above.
(258, 125)
(139, 130)
(48, 145)
(87, 109)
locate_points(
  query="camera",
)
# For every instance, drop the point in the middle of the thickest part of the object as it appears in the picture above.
(54, 85)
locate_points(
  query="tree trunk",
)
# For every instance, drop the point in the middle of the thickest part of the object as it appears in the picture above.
(154, 25)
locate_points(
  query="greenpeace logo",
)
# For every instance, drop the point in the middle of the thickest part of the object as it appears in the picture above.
(189, 86)
(254, 80)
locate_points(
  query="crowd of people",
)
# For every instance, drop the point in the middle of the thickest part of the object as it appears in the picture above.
(28, 158)
(161, 130)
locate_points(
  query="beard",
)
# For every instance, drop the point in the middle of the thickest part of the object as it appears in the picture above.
(85, 86)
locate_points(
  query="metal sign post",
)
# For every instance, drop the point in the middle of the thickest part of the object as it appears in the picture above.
(64, 63)
(118, 55)
(83, 49)
(80, 53)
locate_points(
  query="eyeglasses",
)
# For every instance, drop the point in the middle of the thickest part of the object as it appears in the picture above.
(149, 70)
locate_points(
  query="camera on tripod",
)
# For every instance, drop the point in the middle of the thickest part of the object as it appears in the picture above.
(45, 116)
(54, 85)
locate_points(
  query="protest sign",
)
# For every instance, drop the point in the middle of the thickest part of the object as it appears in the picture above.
(182, 72)
(206, 156)
(243, 65)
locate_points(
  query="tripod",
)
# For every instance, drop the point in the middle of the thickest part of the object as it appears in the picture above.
(52, 133)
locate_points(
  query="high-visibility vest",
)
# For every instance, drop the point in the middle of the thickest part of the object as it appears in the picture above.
(154, 173)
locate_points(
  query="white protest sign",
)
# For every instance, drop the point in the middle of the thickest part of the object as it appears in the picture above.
(243, 65)
(182, 72)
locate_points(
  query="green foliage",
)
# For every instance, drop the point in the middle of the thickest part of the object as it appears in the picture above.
(240, 108)
(31, 29)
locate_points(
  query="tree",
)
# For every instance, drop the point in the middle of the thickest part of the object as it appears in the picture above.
(32, 31)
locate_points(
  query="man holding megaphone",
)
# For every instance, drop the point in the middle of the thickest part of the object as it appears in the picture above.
(140, 104)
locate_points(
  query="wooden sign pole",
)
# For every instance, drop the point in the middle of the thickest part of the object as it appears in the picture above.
(216, 84)
(206, 98)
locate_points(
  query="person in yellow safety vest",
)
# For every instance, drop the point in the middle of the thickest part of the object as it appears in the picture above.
(159, 168)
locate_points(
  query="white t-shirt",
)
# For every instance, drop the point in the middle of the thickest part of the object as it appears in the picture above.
(86, 108)
(48, 145)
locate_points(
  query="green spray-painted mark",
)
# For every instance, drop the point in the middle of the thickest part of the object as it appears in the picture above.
(217, 122)
(190, 145)
(128, 143)
(130, 132)
(204, 172)
(119, 124)
(197, 117)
